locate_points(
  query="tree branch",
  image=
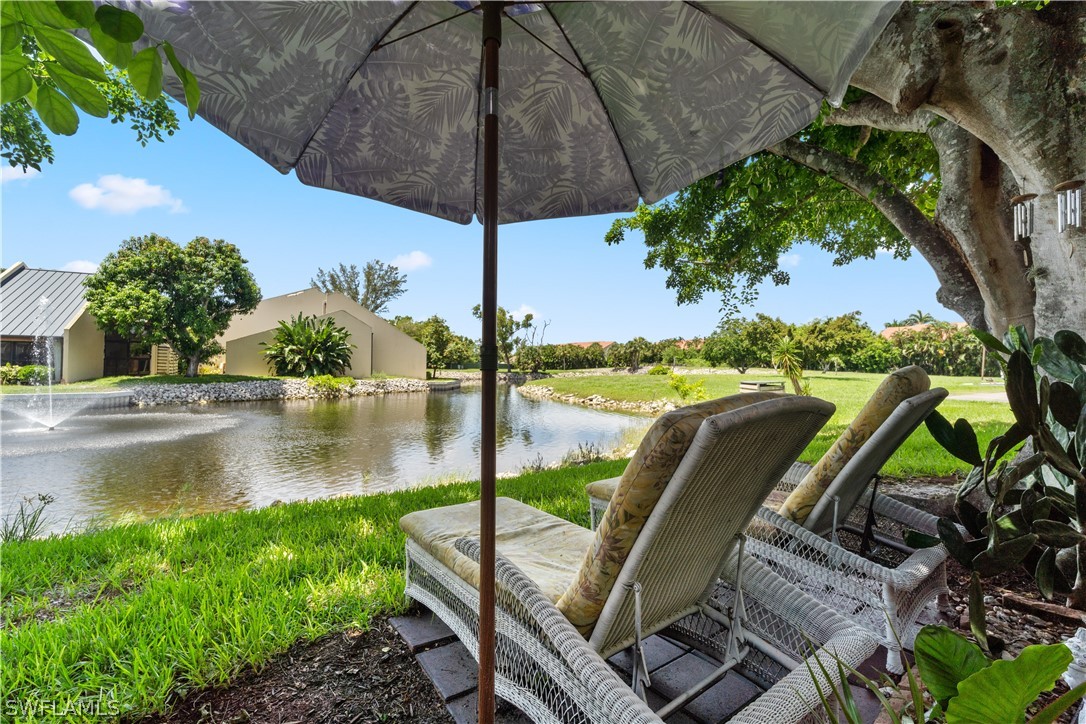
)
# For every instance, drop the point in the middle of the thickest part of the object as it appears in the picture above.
(959, 289)
(875, 112)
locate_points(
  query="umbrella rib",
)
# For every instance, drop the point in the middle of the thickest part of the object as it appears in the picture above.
(603, 105)
(539, 40)
(347, 82)
(381, 44)
(750, 39)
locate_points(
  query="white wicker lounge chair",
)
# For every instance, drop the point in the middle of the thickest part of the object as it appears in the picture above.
(670, 579)
(885, 597)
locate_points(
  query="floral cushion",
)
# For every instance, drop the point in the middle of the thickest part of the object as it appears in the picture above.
(635, 495)
(898, 386)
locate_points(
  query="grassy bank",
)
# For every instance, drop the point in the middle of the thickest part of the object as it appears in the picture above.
(919, 456)
(123, 620)
(113, 384)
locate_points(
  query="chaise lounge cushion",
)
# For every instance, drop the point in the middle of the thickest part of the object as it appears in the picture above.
(635, 495)
(548, 549)
(897, 387)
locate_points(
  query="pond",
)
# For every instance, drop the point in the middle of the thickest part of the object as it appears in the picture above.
(108, 465)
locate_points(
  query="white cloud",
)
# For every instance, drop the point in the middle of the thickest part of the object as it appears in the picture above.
(523, 311)
(16, 173)
(412, 260)
(791, 260)
(118, 194)
(80, 265)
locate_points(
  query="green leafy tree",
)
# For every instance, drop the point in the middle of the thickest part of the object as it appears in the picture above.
(308, 347)
(836, 338)
(48, 73)
(376, 286)
(439, 341)
(508, 332)
(788, 359)
(919, 317)
(160, 292)
(732, 344)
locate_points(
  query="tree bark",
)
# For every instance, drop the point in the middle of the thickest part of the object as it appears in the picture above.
(958, 289)
(194, 366)
(1013, 78)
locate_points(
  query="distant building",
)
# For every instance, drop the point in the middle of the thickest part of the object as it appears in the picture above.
(380, 347)
(891, 331)
(586, 345)
(44, 309)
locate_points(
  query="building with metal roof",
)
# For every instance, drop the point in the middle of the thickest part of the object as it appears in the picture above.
(44, 320)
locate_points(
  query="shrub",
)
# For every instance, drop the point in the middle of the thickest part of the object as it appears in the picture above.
(660, 370)
(9, 374)
(33, 375)
(329, 386)
(308, 346)
(686, 389)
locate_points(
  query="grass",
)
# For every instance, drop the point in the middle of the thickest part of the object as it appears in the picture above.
(125, 619)
(107, 384)
(919, 456)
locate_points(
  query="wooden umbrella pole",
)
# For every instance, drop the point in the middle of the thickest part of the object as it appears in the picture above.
(488, 363)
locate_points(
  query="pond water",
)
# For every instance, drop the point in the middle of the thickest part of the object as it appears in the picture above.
(107, 465)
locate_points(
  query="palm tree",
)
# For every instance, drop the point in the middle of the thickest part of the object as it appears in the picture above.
(788, 360)
(919, 317)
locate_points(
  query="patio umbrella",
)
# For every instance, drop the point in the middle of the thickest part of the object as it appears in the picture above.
(603, 104)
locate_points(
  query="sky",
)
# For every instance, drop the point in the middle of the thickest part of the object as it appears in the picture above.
(104, 187)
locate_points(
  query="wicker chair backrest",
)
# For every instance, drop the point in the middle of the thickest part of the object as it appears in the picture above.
(735, 460)
(853, 479)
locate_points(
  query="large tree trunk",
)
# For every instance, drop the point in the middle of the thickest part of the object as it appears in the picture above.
(194, 366)
(1012, 77)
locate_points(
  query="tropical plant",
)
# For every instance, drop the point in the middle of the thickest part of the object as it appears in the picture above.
(329, 386)
(686, 389)
(957, 683)
(919, 317)
(788, 359)
(508, 329)
(659, 370)
(1032, 510)
(9, 374)
(309, 346)
(940, 348)
(49, 73)
(159, 292)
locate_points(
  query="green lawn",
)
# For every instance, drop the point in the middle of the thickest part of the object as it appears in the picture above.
(110, 384)
(146, 611)
(919, 456)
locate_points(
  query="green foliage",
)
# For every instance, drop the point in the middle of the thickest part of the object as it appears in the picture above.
(46, 73)
(940, 348)
(725, 233)
(9, 374)
(343, 279)
(1036, 504)
(444, 348)
(159, 292)
(834, 342)
(788, 359)
(308, 347)
(659, 370)
(26, 522)
(561, 357)
(508, 330)
(32, 375)
(376, 286)
(879, 355)
(686, 390)
(331, 387)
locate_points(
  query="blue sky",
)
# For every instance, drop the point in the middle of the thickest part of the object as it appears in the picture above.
(105, 187)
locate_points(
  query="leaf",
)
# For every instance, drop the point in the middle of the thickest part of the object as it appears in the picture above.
(1000, 446)
(1080, 437)
(946, 658)
(15, 79)
(1003, 557)
(1002, 691)
(56, 111)
(1055, 362)
(121, 25)
(145, 73)
(71, 53)
(916, 539)
(958, 439)
(80, 91)
(78, 11)
(1064, 404)
(38, 13)
(1022, 391)
(114, 51)
(976, 611)
(11, 37)
(1071, 344)
(188, 80)
(1057, 534)
(1045, 573)
(1065, 701)
(1057, 456)
(990, 341)
(962, 550)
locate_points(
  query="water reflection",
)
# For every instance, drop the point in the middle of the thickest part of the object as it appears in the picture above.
(222, 457)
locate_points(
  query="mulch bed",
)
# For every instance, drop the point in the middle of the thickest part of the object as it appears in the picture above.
(350, 677)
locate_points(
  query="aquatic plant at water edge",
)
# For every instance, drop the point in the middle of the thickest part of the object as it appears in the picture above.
(329, 386)
(308, 346)
(26, 522)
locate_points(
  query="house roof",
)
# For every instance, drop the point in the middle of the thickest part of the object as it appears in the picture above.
(22, 312)
(586, 345)
(891, 331)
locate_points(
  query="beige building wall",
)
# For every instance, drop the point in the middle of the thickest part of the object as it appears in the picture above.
(84, 349)
(391, 351)
(245, 355)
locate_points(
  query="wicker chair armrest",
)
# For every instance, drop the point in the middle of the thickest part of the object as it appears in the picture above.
(793, 477)
(522, 594)
(907, 515)
(915, 569)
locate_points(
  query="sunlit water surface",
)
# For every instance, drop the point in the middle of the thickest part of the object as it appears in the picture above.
(108, 465)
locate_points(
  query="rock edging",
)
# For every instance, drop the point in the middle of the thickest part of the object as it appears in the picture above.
(513, 378)
(651, 407)
(286, 389)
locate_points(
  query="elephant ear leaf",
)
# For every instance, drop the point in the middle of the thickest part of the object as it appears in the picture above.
(1071, 344)
(1022, 391)
(945, 659)
(958, 439)
(1001, 692)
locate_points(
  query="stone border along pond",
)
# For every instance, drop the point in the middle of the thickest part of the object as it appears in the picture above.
(651, 407)
(287, 389)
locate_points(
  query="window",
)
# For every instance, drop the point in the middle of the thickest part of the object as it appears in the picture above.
(16, 352)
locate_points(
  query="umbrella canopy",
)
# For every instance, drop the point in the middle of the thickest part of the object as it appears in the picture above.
(603, 104)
